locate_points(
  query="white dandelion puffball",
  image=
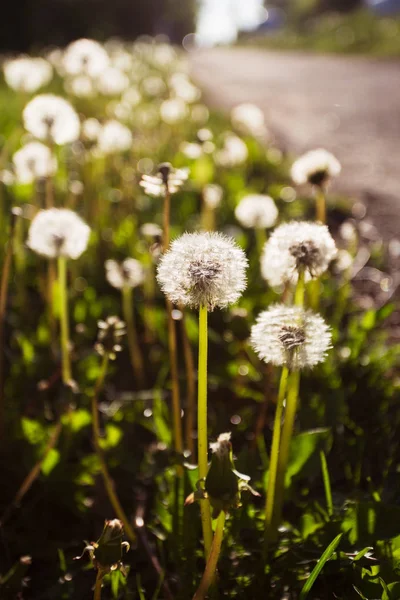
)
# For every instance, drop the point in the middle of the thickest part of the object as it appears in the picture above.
(294, 247)
(234, 152)
(257, 210)
(289, 335)
(85, 57)
(248, 118)
(51, 117)
(112, 82)
(167, 178)
(32, 161)
(91, 129)
(203, 269)
(80, 86)
(212, 195)
(315, 167)
(129, 273)
(173, 111)
(26, 74)
(114, 137)
(58, 232)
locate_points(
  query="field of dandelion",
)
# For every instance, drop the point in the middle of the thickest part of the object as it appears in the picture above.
(172, 283)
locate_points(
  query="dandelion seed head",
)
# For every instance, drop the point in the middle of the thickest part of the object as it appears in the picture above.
(109, 337)
(129, 273)
(58, 232)
(297, 246)
(26, 74)
(315, 167)
(292, 336)
(212, 195)
(112, 82)
(166, 178)
(85, 57)
(151, 230)
(173, 111)
(222, 447)
(248, 118)
(203, 269)
(32, 161)
(91, 129)
(233, 153)
(80, 86)
(257, 210)
(114, 137)
(50, 117)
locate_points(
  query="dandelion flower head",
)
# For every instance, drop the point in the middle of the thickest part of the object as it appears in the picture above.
(315, 167)
(112, 82)
(257, 210)
(128, 274)
(166, 179)
(50, 117)
(85, 57)
(110, 333)
(234, 151)
(114, 137)
(26, 74)
(173, 111)
(291, 336)
(203, 269)
(57, 232)
(33, 161)
(248, 118)
(294, 247)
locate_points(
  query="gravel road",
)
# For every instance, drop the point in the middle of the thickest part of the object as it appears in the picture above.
(350, 106)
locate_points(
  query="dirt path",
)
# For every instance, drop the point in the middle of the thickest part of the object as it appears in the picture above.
(350, 106)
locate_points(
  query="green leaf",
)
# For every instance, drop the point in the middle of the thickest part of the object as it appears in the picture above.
(302, 449)
(79, 419)
(392, 591)
(33, 431)
(319, 566)
(51, 461)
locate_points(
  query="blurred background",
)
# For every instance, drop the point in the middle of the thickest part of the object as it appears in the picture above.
(33, 24)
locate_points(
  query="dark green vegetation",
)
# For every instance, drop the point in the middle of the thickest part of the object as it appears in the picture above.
(348, 406)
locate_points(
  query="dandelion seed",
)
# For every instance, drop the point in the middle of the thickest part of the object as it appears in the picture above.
(248, 118)
(85, 57)
(129, 273)
(25, 74)
(114, 137)
(257, 210)
(111, 331)
(167, 179)
(291, 336)
(294, 247)
(32, 161)
(58, 232)
(203, 269)
(51, 117)
(315, 167)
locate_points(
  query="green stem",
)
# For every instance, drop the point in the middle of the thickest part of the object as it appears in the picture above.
(287, 433)
(64, 322)
(270, 534)
(320, 207)
(261, 238)
(212, 562)
(300, 289)
(108, 482)
(202, 426)
(97, 587)
(327, 483)
(134, 347)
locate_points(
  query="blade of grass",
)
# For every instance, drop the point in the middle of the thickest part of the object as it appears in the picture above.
(327, 483)
(319, 566)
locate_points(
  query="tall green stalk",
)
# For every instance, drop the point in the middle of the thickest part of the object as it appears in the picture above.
(270, 534)
(202, 426)
(320, 205)
(212, 562)
(64, 321)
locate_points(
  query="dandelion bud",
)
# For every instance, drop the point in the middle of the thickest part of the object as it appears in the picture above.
(256, 210)
(106, 553)
(51, 117)
(203, 269)
(129, 273)
(109, 336)
(289, 335)
(58, 232)
(295, 247)
(315, 167)
(167, 180)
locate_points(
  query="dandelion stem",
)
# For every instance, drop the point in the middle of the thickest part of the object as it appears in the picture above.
(320, 207)
(300, 289)
(287, 433)
(212, 562)
(327, 483)
(202, 426)
(270, 534)
(97, 587)
(108, 482)
(166, 219)
(207, 217)
(261, 238)
(64, 322)
(134, 347)
(191, 387)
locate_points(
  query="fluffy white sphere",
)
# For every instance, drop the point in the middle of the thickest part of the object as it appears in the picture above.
(129, 273)
(49, 116)
(203, 269)
(85, 57)
(32, 161)
(257, 210)
(315, 167)
(58, 232)
(26, 74)
(114, 137)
